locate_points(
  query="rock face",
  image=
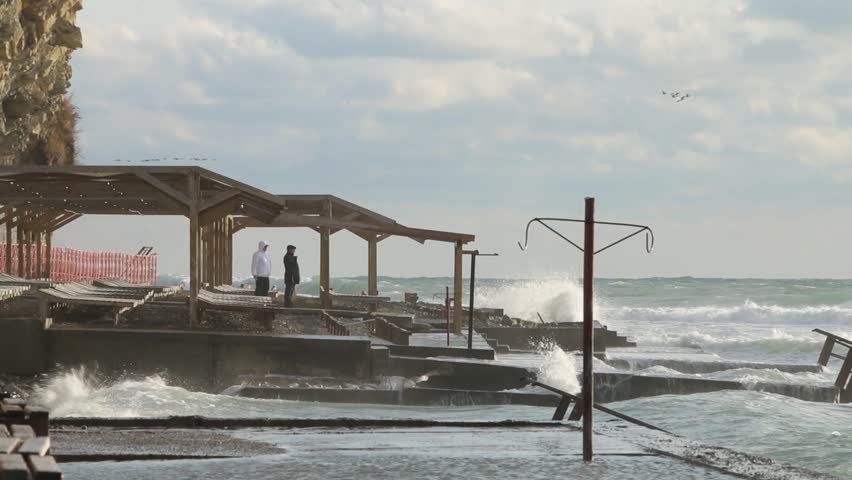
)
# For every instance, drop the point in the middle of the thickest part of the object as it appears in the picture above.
(37, 120)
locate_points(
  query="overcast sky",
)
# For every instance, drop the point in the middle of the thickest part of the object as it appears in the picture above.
(475, 116)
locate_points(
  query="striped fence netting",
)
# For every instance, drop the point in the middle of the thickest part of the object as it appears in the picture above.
(72, 265)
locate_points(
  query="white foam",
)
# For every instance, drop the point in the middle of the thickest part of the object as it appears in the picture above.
(558, 369)
(556, 299)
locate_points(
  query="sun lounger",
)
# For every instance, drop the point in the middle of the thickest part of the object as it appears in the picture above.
(263, 306)
(159, 290)
(85, 289)
(8, 292)
(11, 280)
(232, 290)
(65, 297)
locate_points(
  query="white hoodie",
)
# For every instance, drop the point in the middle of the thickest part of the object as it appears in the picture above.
(260, 264)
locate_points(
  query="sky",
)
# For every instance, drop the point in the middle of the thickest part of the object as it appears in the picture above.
(478, 115)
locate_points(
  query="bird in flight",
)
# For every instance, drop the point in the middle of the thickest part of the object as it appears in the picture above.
(679, 97)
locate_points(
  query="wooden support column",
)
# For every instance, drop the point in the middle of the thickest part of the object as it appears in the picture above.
(9, 217)
(39, 269)
(458, 290)
(220, 252)
(19, 232)
(372, 266)
(207, 265)
(194, 189)
(325, 267)
(217, 252)
(28, 244)
(48, 255)
(229, 252)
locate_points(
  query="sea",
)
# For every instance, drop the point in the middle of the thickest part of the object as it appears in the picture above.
(691, 319)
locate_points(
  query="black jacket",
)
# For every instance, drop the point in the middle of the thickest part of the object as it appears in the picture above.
(291, 270)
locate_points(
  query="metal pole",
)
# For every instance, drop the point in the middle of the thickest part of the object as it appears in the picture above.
(447, 303)
(588, 329)
(470, 307)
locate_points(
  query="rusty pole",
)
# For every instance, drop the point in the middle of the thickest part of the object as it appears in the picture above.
(447, 303)
(588, 328)
(470, 306)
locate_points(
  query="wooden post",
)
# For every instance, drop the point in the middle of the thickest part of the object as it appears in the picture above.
(825, 354)
(19, 232)
(207, 258)
(588, 329)
(325, 270)
(48, 254)
(372, 266)
(28, 264)
(39, 271)
(194, 189)
(229, 252)
(845, 371)
(458, 291)
(220, 252)
(10, 215)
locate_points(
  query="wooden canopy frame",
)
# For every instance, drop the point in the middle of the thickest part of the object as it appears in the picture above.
(37, 201)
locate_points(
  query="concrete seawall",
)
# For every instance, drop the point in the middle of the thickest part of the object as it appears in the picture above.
(207, 360)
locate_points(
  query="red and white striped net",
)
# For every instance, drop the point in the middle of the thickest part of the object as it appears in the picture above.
(72, 265)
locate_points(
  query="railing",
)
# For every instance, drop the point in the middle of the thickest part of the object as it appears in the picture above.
(390, 331)
(842, 383)
(334, 327)
(577, 411)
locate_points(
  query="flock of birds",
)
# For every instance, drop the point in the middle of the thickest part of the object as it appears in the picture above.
(677, 95)
(167, 159)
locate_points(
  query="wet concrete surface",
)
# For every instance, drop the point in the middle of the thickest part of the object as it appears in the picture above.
(101, 444)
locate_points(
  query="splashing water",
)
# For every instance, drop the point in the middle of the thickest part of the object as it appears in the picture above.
(557, 300)
(558, 369)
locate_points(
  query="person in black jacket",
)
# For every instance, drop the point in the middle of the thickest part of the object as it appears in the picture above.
(291, 275)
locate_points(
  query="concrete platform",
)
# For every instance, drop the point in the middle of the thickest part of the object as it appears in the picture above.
(446, 450)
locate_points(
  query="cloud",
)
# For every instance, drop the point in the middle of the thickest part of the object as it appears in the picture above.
(525, 103)
(822, 146)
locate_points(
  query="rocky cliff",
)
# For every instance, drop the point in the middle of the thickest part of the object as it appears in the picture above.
(37, 119)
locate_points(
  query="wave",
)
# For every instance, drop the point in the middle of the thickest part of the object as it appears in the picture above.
(748, 312)
(556, 300)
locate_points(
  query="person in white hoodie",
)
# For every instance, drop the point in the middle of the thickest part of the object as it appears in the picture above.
(261, 268)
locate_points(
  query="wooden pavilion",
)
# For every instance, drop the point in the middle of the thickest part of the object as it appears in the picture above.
(38, 201)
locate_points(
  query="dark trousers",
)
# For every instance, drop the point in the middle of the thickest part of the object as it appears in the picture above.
(261, 287)
(289, 290)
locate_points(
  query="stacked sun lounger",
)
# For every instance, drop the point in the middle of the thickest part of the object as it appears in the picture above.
(159, 290)
(232, 290)
(24, 442)
(262, 306)
(8, 292)
(118, 299)
(11, 280)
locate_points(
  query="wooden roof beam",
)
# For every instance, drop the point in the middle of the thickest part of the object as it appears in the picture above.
(165, 188)
(289, 220)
